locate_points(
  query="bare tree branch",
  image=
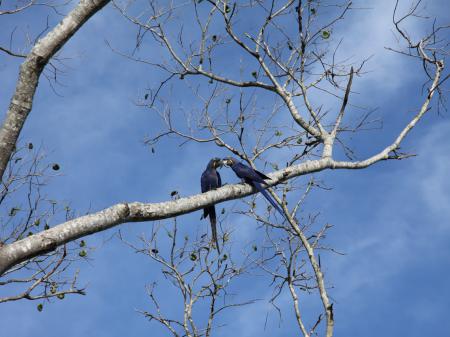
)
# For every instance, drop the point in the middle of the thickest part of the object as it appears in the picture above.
(18, 9)
(30, 71)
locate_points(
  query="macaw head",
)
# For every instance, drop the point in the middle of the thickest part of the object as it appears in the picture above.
(229, 161)
(215, 163)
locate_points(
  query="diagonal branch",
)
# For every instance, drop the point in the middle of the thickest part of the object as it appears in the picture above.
(30, 71)
(328, 148)
(384, 154)
(18, 9)
(49, 240)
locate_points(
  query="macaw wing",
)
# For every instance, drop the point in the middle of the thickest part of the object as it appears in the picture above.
(268, 197)
(204, 181)
(244, 172)
(254, 175)
(219, 180)
(262, 175)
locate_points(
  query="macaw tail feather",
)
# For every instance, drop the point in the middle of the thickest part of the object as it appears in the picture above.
(205, 213)
(268, 197)
(213, 220)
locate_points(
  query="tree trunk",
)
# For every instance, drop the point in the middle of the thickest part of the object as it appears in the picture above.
(30, 71)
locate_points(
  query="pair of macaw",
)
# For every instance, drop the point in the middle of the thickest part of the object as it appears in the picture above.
(211, 180)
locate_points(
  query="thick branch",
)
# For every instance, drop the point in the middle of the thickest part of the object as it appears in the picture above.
(30, 71)
(49, 240)
(71, 230)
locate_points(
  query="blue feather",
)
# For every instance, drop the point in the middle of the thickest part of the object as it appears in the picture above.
(267, 196)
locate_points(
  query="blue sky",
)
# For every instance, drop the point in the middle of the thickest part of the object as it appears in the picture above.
(390, 220)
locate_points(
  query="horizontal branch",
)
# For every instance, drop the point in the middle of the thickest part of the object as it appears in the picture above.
(49, 240)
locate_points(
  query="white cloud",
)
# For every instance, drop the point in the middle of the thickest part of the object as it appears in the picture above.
(433, 171)
(408, 226)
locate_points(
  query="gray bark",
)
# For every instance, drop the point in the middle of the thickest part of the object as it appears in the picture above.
(30, 71)
(17, 252)
(48, 240)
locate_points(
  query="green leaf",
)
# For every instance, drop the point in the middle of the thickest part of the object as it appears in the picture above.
(82, 253)
(13, 211)
(40, 306)
(193, 257)
(325, 34)
(60, 296)
(82, 243)
(278, 133)
(254, 74)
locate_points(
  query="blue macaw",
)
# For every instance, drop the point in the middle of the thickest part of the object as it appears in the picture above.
(211, 180)
(251, 177)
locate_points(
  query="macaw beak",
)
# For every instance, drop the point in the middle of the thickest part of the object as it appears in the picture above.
(227, 162)
(218, 163)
